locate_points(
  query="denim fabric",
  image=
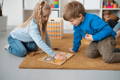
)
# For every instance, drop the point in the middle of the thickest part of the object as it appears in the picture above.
(19, 48)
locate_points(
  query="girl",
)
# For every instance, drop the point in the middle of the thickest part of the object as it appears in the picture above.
(32, 33)
(110, 18)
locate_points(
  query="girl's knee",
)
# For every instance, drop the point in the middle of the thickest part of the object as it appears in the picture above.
(22, 53)
(32, 46)
(19, 53)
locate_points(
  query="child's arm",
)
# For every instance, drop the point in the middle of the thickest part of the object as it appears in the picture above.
(35, 34)
(76, 41)
(101, 29)
(48, 41)
(105, 32)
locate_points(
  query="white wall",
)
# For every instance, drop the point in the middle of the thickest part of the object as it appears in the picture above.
(30, 4)
(14, 10)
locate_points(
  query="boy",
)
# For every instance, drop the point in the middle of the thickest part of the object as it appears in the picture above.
(91, 27)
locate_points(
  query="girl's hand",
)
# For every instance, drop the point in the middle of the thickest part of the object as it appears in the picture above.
(89, 37)
(60, 56)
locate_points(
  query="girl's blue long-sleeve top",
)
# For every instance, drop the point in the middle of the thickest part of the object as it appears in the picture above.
(31, 33)
(94, 25)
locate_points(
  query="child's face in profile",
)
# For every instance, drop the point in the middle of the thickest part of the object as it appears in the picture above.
(76, 21)
(45, 16)
(106, 17)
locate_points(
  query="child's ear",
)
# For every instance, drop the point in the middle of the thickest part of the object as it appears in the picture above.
(81, 15)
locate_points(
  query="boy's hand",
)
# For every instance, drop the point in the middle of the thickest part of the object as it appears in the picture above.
(70, 50)
(89, 37)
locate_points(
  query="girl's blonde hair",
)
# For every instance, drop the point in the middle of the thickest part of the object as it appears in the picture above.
(37, 15)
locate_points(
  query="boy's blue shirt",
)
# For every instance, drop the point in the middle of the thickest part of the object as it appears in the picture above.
(94, 25)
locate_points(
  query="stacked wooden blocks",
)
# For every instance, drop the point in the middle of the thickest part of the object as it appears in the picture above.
(55, 28)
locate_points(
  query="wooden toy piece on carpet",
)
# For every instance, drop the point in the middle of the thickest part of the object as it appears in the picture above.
(56, 49)
(35, 52)
(52, 60)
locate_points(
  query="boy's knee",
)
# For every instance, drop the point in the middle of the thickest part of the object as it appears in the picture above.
(91, 55)
(108, 59)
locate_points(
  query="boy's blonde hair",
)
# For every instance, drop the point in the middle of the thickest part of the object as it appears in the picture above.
(37, 15)
(73, 10)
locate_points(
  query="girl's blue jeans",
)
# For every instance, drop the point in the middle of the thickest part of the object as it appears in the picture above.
(19, 48)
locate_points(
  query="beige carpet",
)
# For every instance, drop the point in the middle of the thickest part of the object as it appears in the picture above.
(79, 61)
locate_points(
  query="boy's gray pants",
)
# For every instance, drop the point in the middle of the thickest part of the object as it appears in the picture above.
(104, 48)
